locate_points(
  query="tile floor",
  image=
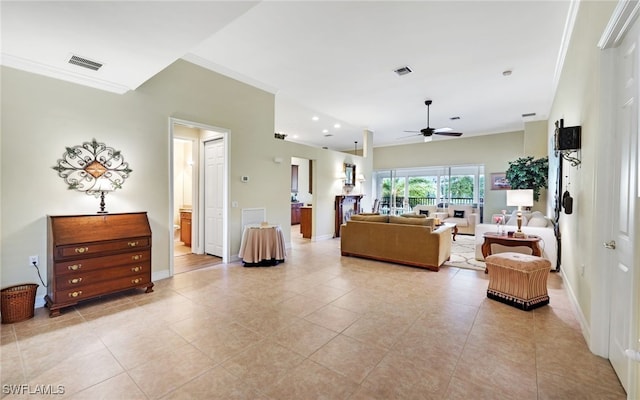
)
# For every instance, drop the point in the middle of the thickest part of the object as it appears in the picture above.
(319, 326)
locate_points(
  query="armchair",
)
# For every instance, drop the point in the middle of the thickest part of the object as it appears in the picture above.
(464, 216)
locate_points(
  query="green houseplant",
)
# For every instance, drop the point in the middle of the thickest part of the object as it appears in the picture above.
(528, 173)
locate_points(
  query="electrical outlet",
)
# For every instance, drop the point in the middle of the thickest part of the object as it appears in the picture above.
(33, 260)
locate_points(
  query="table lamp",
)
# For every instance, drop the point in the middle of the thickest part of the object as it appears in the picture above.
(520, 198)
(103, 185)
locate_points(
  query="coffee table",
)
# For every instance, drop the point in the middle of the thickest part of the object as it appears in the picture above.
(530, 241)
(453, 226)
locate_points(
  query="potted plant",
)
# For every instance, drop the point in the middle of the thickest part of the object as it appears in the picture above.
(527, 173)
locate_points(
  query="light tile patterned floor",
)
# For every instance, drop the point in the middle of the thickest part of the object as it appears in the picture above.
(318, 326)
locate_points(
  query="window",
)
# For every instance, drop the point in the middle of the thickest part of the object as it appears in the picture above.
(402, 189)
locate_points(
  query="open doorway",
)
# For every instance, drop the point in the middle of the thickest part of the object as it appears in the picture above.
(301, 198)
(192, 192)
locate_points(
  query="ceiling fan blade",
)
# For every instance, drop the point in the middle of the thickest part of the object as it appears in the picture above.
(412, 131)
(415, 135)
(443, 130)
(449, 133)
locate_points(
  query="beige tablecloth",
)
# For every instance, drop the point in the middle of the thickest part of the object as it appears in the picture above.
(262, 244)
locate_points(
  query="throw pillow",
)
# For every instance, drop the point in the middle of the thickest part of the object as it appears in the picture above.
(458, 213)
(537, 219)
(413, 216)
(513, 219)
(424, 212)
(370, 218)
(409, 221)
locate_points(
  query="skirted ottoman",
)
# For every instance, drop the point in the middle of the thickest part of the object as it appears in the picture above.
(519, 280)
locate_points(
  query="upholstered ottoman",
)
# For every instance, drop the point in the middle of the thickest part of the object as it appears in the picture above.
(519, 280)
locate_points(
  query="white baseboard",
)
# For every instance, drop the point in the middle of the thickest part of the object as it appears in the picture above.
(584, 325)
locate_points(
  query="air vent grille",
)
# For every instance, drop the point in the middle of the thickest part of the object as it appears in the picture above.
(403, 71)
(528, 115)
(85, 63)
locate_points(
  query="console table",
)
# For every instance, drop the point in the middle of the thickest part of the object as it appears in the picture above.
(345, 207)
(530, 241)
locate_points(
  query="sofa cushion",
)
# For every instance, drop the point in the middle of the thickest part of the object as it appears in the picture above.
(459, 221)
(411, 221)
(424, 212)
(458, 213)
(460, 207)
(370, 218)
(412, 215)
(537, 219)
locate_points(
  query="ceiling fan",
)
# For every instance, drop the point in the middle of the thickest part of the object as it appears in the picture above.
(428, 132)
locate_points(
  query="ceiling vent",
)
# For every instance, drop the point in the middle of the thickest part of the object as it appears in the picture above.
(528, 115)
(85, 63)
(403, 71)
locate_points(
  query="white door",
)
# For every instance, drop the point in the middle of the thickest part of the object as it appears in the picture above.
(625, 152)
(213, 197)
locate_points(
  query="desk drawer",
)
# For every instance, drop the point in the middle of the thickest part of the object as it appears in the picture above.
(90, 249)
(90, 264)
(73, 295)
(82, 278)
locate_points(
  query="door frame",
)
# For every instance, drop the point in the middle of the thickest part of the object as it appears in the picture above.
(623, 18)
(208, 132)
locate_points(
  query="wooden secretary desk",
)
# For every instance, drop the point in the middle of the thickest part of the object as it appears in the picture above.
(94, 255)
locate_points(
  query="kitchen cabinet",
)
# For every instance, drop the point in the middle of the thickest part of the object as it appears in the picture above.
(305, 222)
(295, 213)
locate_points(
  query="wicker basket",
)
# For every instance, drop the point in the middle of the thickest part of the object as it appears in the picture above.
(18, 302)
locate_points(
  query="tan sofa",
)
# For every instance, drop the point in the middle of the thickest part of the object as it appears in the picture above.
(402, 240)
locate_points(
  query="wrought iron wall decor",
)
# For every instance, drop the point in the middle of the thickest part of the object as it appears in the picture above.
(93, 168)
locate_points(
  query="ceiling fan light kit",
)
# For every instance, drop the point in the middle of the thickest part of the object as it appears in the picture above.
(428, 132)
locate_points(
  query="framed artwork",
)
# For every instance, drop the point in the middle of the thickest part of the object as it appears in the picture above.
(499, 181)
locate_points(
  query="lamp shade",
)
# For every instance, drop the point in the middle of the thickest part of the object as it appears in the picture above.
(520, 198)
(103, 185)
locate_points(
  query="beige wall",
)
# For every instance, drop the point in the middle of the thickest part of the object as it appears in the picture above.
(40, 116)
(578, 101)
(493, 151)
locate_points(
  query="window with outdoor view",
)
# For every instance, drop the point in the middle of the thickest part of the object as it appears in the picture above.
(400, 190)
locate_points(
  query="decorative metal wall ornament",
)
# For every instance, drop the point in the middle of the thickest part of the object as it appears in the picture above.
(93, 168)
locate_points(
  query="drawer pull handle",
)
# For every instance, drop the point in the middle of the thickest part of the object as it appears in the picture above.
(75, 280)
(75, 294)
(74, 267)
(133, 244)
(82, 249)
(136, 257)
(136, 269)
(137, 280)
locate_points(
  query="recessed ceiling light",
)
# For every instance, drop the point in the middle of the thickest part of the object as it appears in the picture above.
(315, 118)
(336, 126)
(325, 130)
(403, 70)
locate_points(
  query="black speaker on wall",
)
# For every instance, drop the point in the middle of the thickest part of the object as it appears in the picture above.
(568, 138)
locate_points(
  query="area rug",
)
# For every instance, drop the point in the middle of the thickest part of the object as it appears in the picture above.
(463, 254)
